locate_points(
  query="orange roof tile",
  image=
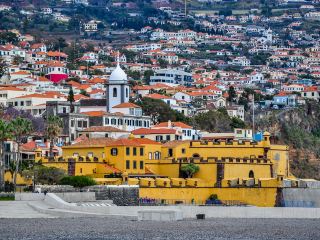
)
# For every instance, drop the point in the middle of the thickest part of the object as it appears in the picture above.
(126, 105)
(95, 113)
(102, 129)
(173, 124)
(142, 131)
(157, 96)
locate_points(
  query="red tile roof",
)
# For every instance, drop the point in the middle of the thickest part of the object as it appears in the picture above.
(173, 124)
(102, 129)
(157, 96)
(126, 105)
(95, 113)
(145, 131)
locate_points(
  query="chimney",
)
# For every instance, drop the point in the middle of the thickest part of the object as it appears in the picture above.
(169, 124)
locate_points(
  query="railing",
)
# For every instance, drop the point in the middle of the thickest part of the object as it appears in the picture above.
(188, 202)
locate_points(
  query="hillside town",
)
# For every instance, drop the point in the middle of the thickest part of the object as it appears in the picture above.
(161, 85)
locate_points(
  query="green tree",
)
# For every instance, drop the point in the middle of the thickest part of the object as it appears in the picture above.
(44, 175)
(160, 111)
(70, 99)
(134, 74)
(163, 63)
(147, 74)
(225, 12)
(237, 123)
(190, 169)
(78, 181)
(53, 130)
(8, 37)
(232, 95)
(213, 121)
(5, 133)
(84, 92)
(21, 128)
(17, 60)
(3, 68)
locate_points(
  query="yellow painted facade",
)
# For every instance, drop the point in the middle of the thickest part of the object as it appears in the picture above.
(262, 197)
(236, 171)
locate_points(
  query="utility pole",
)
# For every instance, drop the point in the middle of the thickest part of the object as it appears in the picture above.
(253, 115)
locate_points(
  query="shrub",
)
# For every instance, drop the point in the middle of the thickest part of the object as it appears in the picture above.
(78, 181)
(213, 197)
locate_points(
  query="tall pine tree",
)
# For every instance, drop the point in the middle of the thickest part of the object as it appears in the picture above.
(71, 99)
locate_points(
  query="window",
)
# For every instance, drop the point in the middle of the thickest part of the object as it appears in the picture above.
(127, 151)
(134, 151)
(113, 121)
(106, 135)
(80, 124)
(90, 154)
(170, 152)
(159, 138)
(72, 123)
(134, 164)
(80, 170)
(141, 152)
(131, 111)
(183, 150)
(85, 124)
(127, 93)
(76, 154)
(251, 174)
(127, 164)
(141, 164)
(157, 155)
(168, 137)
(106, 121)
(115, 93)
(114, 151)
(150, 155)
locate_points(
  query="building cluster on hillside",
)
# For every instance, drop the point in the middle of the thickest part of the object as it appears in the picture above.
(213, 66)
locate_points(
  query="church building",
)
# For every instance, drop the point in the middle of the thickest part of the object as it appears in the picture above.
(120, 112)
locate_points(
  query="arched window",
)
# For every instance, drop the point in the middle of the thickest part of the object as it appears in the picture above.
(150, 155)
(251, 174)
(127, 93)
(157, 155)
(115, 93)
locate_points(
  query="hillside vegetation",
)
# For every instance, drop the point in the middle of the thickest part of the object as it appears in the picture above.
(300, 129)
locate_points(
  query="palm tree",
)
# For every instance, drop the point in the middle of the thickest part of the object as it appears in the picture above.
(21, 128)
(53, 130)
(5, 133)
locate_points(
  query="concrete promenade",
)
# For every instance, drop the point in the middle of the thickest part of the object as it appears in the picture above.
(20, 209)
(123, 229)
(39, 209)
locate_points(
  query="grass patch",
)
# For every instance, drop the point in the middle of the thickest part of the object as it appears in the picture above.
(7, 198)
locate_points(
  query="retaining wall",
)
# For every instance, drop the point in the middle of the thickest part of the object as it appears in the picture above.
(301, 197)
(77, 196)
(29, 196)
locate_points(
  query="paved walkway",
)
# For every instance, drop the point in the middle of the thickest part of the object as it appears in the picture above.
(19, 209)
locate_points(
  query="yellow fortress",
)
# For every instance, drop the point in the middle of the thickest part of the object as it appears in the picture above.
(237, 171)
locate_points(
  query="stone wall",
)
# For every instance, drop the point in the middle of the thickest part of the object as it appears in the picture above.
(301, 197)
(120, 195)
(57, 188)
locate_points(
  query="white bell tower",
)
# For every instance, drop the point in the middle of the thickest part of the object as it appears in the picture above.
(117, 88)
